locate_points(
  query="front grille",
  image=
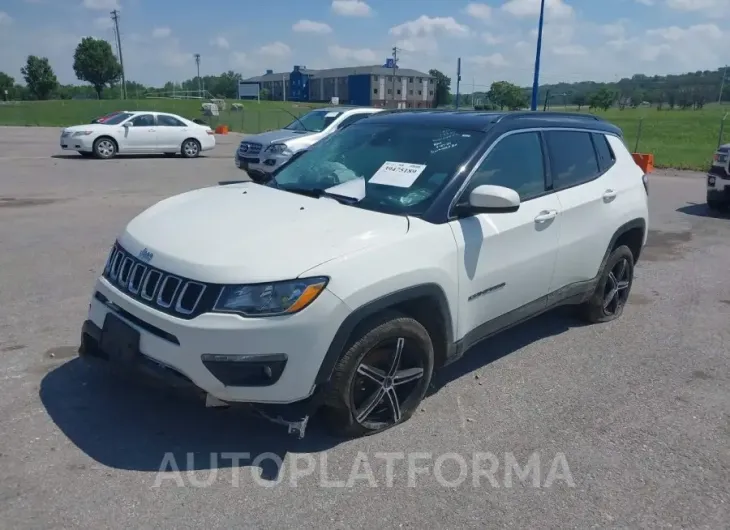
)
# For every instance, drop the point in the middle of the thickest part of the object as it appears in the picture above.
(168, 293)
(249, 148)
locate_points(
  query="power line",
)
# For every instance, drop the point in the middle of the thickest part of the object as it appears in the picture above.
(115, 18)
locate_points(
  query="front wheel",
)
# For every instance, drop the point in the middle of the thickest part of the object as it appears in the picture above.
(382, 377)
(105, 148)
(612, 292)
(190, 148)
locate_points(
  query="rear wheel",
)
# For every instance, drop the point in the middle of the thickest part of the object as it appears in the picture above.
(105, 148)
(382, 377)
(190, 148)
(613, 289)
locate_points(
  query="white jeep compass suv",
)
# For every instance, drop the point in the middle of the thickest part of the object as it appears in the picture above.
(379, 255)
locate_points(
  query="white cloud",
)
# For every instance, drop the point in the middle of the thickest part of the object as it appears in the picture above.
(425, 25)
(529, 8)
(310, 26)
(161, 33)
(240, 61)
(494, 60)
(275, 49)
(102, 23)
(570, 49)
(677, 34)
(351, 8)
(479, 11)
(418, 45)
(645, 2)
(352, 55)
(5, 19)
(101, 5)
(699, 5)
(491, 39)
(220, 42)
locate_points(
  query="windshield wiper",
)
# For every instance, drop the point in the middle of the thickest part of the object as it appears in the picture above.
(319, 192)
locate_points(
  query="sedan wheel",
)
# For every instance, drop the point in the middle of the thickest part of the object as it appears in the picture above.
(190, 149)
(105, 148)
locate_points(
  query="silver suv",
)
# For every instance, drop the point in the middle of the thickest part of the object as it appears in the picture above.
(718, 179)
(260, 154)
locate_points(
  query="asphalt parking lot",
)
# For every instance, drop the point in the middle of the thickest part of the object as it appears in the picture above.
(630, 421)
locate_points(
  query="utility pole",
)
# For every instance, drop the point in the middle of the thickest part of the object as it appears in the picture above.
(536, 80)
(722, 85)
(115, 18)
(197, 63)
(395, 65)
(458, 80)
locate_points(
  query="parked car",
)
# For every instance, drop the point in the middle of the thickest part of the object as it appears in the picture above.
(139, 132)
(718, 179)
(105, 117)
(380, 254)
(261, 154)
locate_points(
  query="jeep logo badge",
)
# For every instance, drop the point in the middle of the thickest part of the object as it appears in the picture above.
(145, 255)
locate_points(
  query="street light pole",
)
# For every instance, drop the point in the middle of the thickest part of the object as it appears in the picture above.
(536, 80)
(200, 88)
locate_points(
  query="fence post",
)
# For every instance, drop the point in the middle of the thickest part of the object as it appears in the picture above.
(638, 134)
(722, 130)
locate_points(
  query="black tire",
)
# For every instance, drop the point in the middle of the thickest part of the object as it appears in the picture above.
(169, 155)
(366, 373)
(86, 154)
(190, 148)
(615, 282)
(105, 148)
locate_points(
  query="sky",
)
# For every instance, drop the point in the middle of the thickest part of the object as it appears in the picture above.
(599, 40)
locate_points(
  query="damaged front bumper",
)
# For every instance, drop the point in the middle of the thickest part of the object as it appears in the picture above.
(294, 416)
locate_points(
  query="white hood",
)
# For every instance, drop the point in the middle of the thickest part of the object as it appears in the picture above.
(247, 233)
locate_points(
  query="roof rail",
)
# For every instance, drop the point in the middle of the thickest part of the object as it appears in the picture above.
(546, 114)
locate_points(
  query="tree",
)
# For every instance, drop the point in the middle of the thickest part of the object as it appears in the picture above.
(39, 76)
(6, 83)
(95, 63)
(505, 94)
(580, 101)
(602, 99)
(442, 93)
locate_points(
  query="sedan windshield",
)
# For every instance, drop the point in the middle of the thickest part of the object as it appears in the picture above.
(315, 121)
(117, 118)
(392, 168)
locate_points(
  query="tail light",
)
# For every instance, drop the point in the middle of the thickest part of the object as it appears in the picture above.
(645, 180)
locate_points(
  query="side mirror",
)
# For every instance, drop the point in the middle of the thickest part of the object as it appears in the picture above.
(126, 124)
(493, 199)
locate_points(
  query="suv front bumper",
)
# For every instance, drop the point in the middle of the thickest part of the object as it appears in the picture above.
(272, 360)
(718, 184)
(262, 164)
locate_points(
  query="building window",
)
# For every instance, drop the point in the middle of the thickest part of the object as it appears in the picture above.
(390, 91)
(410, 80)
(390, 78)
(410, 92)
(420, 80)
(375, 90)
(430, 92)
(430, 81)
(398, 92)
(375, 78)
(420, 93)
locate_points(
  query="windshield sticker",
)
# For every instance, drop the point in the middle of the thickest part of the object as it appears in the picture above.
(331, 114)
(355, 189)
(399, 174)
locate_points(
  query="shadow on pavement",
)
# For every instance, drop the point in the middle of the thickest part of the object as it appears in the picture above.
(702, 210)
(128, 424)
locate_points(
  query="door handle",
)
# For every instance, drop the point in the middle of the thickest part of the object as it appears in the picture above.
(609, 195)
(546, 215)
(150, 130)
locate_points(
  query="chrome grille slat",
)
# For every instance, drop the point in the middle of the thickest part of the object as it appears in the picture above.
(249, 148)
(156, 288)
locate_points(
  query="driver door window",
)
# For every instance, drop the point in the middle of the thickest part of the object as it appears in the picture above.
(515, 162)
(143, 120)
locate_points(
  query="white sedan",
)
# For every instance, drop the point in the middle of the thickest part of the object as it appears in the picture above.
(139, 133)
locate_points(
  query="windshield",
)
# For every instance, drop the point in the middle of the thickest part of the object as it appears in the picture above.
(390, 168)
(117, 118)
(315, 121)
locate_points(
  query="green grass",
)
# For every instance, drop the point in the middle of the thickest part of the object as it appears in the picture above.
(682, 139)
(255, 117)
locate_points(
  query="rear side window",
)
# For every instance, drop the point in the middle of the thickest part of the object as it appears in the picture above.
(606, 158)
(573, 158)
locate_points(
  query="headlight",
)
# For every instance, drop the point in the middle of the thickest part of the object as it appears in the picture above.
(270, 299)
(278, 149)
(82, 133)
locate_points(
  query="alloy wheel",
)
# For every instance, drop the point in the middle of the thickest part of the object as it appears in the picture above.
(190, 148)
(105, 148)
(616, 292)
(385, 383)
